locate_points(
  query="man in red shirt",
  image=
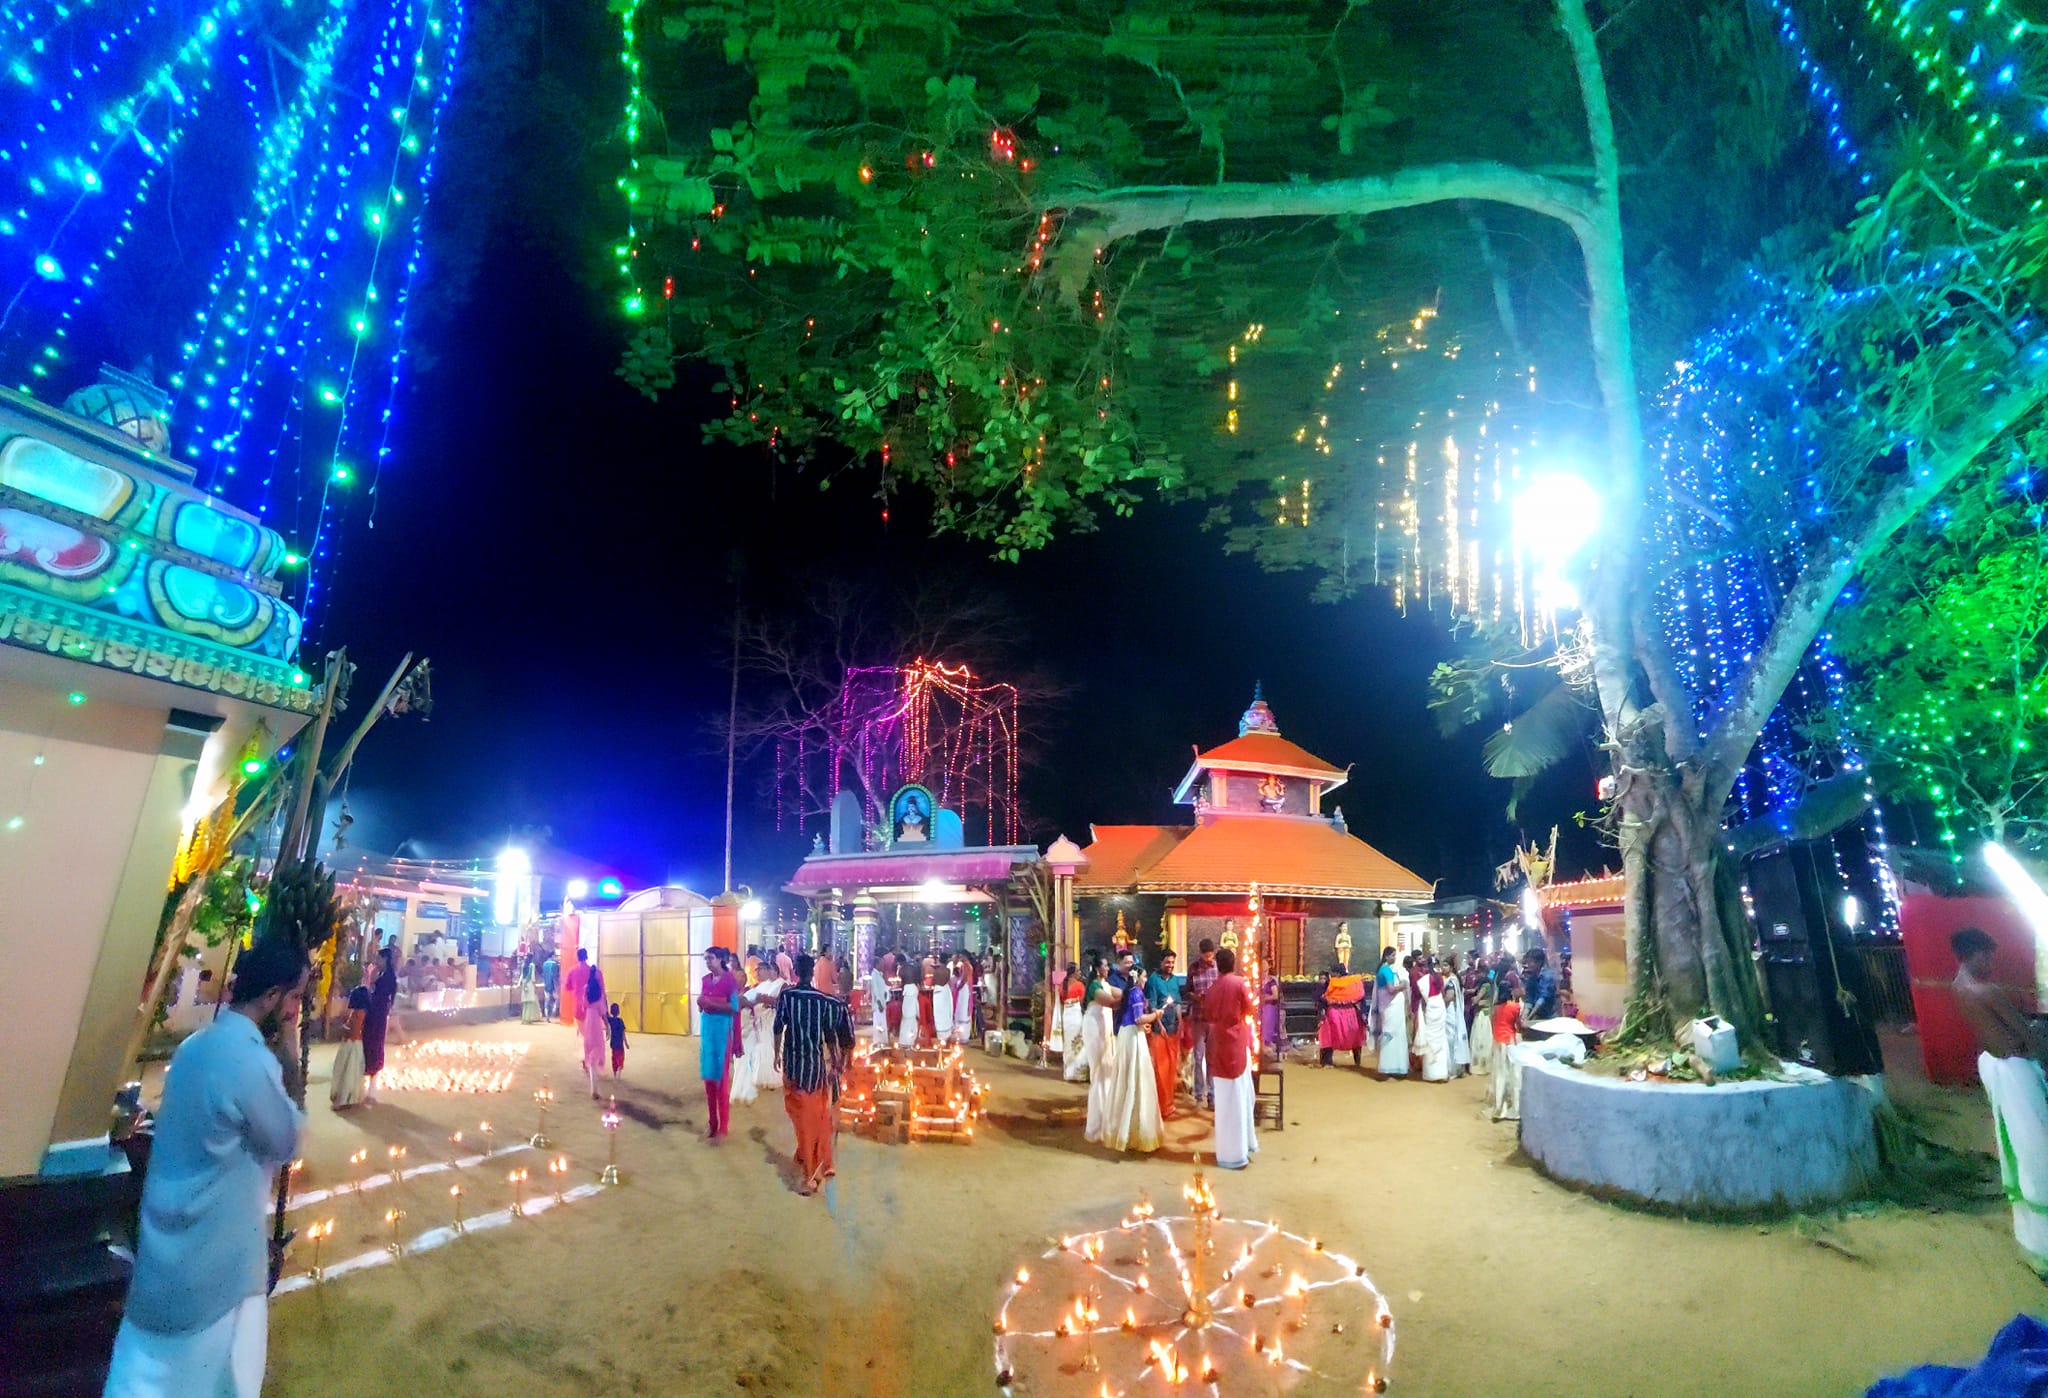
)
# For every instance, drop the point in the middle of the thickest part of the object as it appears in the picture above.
(1227, 1011)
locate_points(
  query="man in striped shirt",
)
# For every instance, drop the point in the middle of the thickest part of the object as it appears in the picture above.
(812, 1038)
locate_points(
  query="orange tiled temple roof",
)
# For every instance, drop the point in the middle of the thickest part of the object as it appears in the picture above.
(1229, 853)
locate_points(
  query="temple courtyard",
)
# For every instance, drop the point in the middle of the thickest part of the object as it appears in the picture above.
(703, 1273)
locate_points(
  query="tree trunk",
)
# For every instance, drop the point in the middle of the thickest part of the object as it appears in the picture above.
(1688, 933)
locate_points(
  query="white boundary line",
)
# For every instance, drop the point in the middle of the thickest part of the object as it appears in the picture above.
(433, 1238)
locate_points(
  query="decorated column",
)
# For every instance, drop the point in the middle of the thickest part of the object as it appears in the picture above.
(1065, 859)
(865, 921)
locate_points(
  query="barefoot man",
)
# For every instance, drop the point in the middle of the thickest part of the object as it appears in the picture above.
(813, 1036)
(2010, 1065)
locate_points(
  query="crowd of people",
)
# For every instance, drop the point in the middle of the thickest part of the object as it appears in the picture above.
(1140, 1038)
(925, 1003)
(1429, 1015)
(1144, 1040)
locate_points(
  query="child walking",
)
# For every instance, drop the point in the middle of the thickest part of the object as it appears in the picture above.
(1507, 1073)
(616, 1024)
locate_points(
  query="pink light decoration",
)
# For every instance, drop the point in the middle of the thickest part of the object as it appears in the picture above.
(927, 722)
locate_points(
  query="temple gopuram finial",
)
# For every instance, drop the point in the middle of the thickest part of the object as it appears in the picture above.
(1258, 718)
(128, 402)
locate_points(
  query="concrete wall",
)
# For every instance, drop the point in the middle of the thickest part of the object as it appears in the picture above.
(128, 939)
(60, 874)
(1741, 1146)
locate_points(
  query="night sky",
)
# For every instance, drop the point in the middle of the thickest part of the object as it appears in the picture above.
(561, 549)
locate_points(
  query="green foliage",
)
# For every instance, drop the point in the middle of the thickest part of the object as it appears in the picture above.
(1950, 688)
(1543, 721)
(226, 910)
(867, 217)
(871, 238)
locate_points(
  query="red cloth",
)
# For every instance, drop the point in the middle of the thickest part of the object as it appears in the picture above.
(927, 1036)
(1165, 1069)
(811, 1114)
(1507, 1021)
(618, 1062)
(1226, 1019)
(1341, 1029)
(718, 1097)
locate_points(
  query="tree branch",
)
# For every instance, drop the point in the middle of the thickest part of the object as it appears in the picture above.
(1812, 597)
(1135, 209)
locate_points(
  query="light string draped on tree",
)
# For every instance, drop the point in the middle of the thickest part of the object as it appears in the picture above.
(1964, 61)
(627, 251)
(1724, 580)
(1442, 499)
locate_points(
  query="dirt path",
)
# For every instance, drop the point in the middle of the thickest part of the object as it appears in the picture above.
(705, 1275)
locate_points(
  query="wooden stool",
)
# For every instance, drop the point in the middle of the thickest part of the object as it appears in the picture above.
(1269, 1095)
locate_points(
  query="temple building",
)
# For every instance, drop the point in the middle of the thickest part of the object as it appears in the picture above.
(1260, 854)
(911, 884)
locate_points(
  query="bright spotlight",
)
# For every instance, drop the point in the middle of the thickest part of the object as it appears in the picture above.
(579, 888)
(750, 911)
(1852, 911)
(514, 866)
(1556, 516)
(2033, 903)
(933, 891)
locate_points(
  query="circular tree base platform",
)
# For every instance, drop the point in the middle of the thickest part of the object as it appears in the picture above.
(1737, 1147)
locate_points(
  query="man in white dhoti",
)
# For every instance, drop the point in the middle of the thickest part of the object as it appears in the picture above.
(197, 1317)
(878, 1001)
(961, 995)
(942, 1013)
(2010, 1066)
(1227, 1009)
(913, 987)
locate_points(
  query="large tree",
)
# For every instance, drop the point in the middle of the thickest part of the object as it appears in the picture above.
(1038, 259)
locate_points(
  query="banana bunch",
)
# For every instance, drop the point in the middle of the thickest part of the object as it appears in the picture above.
(300, 905)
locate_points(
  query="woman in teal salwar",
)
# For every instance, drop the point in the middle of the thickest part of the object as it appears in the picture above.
(718, 1039)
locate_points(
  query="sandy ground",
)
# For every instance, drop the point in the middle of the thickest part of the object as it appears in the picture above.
(704, 1274)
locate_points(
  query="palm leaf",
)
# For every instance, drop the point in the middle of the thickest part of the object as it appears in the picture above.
(1540, 737)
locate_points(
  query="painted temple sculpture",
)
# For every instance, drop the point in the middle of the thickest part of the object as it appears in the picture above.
(110, 553)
